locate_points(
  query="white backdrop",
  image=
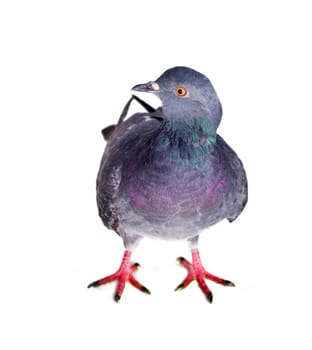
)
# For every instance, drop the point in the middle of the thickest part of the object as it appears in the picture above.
(67, 68)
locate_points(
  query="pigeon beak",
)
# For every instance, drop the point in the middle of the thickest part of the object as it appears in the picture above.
(151, 86)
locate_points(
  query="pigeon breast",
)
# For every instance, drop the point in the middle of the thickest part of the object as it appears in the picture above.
(174, 190)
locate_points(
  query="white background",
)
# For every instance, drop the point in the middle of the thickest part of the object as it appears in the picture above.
(67, 68)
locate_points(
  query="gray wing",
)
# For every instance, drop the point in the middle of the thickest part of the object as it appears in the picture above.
(125, 140)
(108, 131)
(238, 194)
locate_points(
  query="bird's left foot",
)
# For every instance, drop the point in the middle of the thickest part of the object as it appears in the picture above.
(197, 272)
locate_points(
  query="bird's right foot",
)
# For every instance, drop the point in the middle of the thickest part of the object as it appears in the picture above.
(122, 275)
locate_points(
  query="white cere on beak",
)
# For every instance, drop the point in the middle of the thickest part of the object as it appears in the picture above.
(155, 86)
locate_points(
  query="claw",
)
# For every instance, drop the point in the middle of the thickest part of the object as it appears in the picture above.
(145, 290)
(135, 266)
(228, 283)
(93, 284)
(209, 297)
(180, 287)
(117, 297)
(184, 262)
(180, 259)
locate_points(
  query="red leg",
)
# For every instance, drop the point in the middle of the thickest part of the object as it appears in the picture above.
(197, 272)
(122, 275)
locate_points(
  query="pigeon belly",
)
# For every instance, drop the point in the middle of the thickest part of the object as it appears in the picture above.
(172, 200)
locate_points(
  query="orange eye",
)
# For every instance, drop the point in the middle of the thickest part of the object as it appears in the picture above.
(180, 91)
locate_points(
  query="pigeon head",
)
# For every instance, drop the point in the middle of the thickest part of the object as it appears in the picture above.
(185, 94)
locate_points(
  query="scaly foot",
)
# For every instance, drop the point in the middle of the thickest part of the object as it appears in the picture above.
(197, 272)
(123, 274)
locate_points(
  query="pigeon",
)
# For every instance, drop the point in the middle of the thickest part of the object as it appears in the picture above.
(167, 174)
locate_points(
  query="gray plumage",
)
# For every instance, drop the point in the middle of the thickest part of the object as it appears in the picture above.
(166, 173)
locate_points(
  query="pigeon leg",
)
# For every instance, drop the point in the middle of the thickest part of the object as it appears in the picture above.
(197, 272)
(122, 275)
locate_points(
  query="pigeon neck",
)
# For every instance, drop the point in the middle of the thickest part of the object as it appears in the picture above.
(192, 132)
